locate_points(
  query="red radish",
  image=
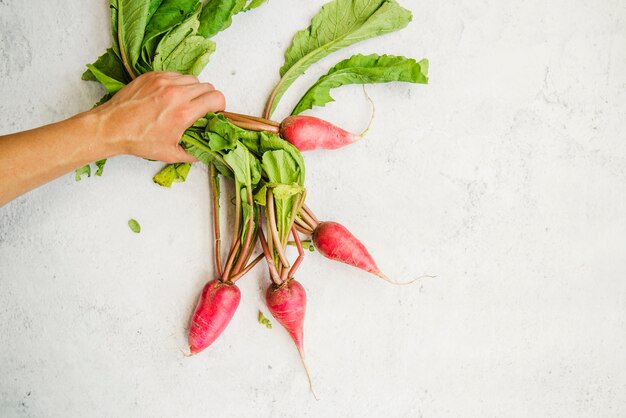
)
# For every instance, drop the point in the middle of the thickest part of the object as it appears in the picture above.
(287, 303)
(216, 307)
(308, 133)
(335, 242)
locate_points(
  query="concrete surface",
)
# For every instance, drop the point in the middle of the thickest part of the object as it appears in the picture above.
(506, 177)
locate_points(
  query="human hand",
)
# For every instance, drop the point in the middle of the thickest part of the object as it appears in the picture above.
(147, 118)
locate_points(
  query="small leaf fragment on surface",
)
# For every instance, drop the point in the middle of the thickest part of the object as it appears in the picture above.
(264, 321)
(172, 173)
(134, 226)
(100, 164)
(83, 170)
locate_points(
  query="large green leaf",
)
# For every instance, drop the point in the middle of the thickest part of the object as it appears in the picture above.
(167, 16)
(217, 15)
(189, 57)
(363, 69)
(132, 18)
(195, 146)
(175, 36)
(111, 84)
(244, 165)
(282, 169)
(254, 4)
(110, 65)
(115, 46)
(154, 5)
(339, 24)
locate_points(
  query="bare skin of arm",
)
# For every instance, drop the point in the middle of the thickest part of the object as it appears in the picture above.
(146, 118)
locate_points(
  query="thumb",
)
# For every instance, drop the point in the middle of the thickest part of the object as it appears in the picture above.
(182, 156)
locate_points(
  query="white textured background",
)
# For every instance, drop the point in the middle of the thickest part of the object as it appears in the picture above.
(506, 177)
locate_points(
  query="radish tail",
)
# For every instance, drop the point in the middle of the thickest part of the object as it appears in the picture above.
(308, 373)
(387, 279)
(372, 117)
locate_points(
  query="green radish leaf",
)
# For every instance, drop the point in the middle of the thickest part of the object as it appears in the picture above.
(83, 170)
(228, 134)
(244, 165)
(199, 149)
(272, 142)
(132, 18)
(154, 5)
(134, 226)
(174, 38)
(339, 23)
(254, 4)
(172, 173)
(285, 191)
(100, 165)
(264, 321)
(115, 47)
(103, 99)
(217, 15)
(363, 69)
(189, 57)
(281, 168)
(110, 65)
(112, 85)
(167, 16)
(260, 197)
(247, 211)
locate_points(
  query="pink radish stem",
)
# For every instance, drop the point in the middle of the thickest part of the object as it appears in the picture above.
(216, 220)
(231, 259)
(247, 268)
(309, 220)
(254, 126)
(247, 244)
(232, 115)
(274, 230)
(270, 260)
(296, 264)
(310, 213)
(305, 231)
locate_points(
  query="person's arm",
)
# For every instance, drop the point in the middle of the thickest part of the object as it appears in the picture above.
(146, 118)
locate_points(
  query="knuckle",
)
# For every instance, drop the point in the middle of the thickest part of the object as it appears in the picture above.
(218, 100)
(159, 81)
(170, 92)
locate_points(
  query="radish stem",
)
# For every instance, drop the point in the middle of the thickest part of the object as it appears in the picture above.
(382, 276)
(269, 259)
(231, 258)
(310, 213)
(274, 230)
(237, 214)
(253, 125)
(120, 42)
(247, 268)
(369, 125)
(246, 246)
(309, 220)
(232, 115)
(303, 230)
(296, 264)
(216, 218)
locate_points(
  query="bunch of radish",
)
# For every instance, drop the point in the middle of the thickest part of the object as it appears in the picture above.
(261, 157)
